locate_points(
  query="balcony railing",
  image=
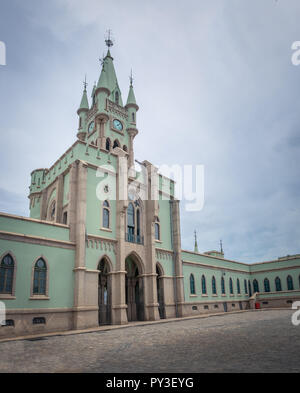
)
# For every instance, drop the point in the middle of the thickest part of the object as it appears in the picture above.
(134, 238)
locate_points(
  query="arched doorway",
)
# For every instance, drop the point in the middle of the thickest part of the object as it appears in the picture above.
(160, 292)
(104, 292)
(134, 290)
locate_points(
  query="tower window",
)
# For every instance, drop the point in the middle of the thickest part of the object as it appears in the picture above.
(107, 145)
(133, 117)
(117, 97)
(116, 144)
(106, 214)
(65, 218)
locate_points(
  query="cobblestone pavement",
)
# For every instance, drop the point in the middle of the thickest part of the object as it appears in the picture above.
(259, 341)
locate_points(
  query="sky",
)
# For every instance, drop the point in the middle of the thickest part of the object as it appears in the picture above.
(215, 85)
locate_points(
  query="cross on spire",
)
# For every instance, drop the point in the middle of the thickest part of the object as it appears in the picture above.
(221, 246)
(102, 60)
(109, 40)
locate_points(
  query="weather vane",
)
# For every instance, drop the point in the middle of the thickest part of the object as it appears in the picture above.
(85, 83)
(109, 41)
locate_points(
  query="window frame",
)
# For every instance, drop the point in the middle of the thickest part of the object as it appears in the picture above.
(107, 208)
(13, 285)
(39, 296)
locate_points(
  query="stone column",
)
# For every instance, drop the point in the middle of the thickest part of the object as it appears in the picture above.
(119, 307)
(178, 279)
(132, 132)
(150, 287)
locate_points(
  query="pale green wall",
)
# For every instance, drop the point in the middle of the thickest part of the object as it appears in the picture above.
(35, 210)
(94, 255)
(164, 216)
(61, 264)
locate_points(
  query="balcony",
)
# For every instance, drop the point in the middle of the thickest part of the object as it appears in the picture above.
(134, 238)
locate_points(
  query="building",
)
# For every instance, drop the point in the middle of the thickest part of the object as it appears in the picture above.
(95, 252)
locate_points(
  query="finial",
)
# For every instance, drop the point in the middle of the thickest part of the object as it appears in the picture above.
(85, 83)
(221, 245)
(131, 78)
(196, 243)
(108, 40)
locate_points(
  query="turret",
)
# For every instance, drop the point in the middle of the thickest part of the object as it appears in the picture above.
(131, 104)
(82, 113)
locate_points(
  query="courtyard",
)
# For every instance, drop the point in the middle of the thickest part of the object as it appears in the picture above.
(255, 341)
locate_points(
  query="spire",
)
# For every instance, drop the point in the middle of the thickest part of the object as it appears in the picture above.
(131, 97)
(94, 89)
(84, 104)
(196, 244)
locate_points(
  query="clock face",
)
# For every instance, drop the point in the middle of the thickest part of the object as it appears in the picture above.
(118, 125)
(91, 126)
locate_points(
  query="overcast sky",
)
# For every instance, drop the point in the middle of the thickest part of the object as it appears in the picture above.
(215, 85)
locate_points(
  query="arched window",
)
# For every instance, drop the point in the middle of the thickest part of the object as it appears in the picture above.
(7, 274)
(231, 286)
(214, 286)
(80, 122)
(278, 284)
(290, 284)
(157, 229)
(107, 144)
(116, 143)
(245, 285)
(117, 97)
(130, 222)
(125, 148)
(192, 285)
(52, 210)
(105, 214)
(133, 117)
(238, 286)
(255, 286)
(203, 285)
(39, 277)
(266, 285)
(223, 286)
(249, 287)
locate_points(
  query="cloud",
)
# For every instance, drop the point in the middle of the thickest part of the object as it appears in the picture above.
(215, 85)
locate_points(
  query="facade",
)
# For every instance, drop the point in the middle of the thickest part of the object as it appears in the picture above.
(103, 246)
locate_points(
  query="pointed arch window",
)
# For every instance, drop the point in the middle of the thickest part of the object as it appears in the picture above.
(107, 144)
(192, 285)
(278, 284)
(213, 285)
(231, 286)
(255, 286)
(7, 274)
(106, 215)
(249, 287)
(245, 287)
(203, 285)
(290, 284)
(133, 117)
(116, 143)
(238, 286)
(157, 229)
(223, 286)
(125, 148)
(266, 285)
(40, 277)
(130, 222)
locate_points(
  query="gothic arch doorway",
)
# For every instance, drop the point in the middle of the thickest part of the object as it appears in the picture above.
(160, 292)
(104, 292)
(134, 290)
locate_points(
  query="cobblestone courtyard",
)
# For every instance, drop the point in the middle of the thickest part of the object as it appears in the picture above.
(259, 341)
